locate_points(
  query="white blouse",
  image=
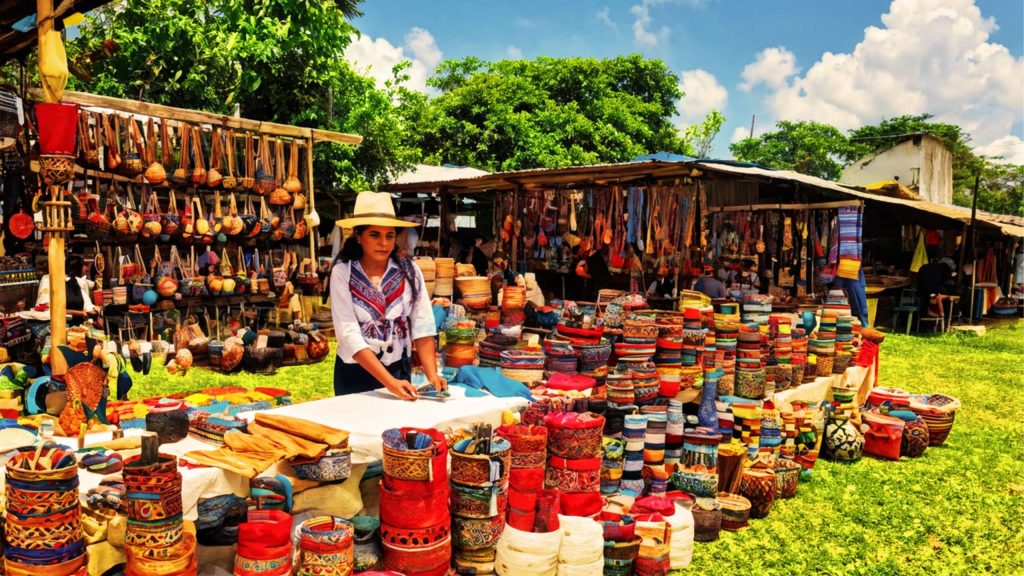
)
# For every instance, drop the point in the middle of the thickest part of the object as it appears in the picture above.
(383, 318)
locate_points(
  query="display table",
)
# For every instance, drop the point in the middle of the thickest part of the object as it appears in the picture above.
(814, 393)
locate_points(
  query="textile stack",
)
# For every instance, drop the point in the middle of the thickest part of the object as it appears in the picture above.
(633, 434)
(750, 371)
(674, 425)
(414, 494)
(844, 343)
(581, 551)
(559, 357)
(798, 356)
(574, 461)
(524, 365)
(155, 540)
(43, 520)
(668, 357)
(654, 554)
(824, 345)
(655, 473)
(480, 469)
(490, 349)
(726, 333)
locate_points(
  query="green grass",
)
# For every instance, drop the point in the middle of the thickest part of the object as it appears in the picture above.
(959, 509)
(306, 382)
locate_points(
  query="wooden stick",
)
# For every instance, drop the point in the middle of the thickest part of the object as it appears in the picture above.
(150, 448)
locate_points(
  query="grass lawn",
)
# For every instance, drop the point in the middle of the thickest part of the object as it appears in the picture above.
(959, 509)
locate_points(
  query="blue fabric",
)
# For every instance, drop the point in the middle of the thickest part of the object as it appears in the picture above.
(440, 315)
(856, 292)
(493, 381)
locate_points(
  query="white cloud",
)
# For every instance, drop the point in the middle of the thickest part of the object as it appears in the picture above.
(513, 53)
(930, 56)
(642, 34)
(376, 57)
(772, 67)
(702, 94)
(604, 16)
(524, 22)
(739, 133)
(1010, 148)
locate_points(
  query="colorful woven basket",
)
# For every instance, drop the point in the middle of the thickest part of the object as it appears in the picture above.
(735, 511)
(758, 486)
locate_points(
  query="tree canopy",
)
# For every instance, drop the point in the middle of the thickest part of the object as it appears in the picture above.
(277, 60)
(806, 147)
(549, 112)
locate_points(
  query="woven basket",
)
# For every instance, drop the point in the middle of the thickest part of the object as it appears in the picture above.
(475, 469)
(787, 476)
(758, 486)
(444, 268)
(413, 465)
(576, 443)
(735, 511)
(462, 270)
(443, 287)
(707, 520)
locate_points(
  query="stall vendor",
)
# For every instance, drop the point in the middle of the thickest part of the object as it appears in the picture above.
(380, 306)
(77, 294)
(710, 285)
(593, 268)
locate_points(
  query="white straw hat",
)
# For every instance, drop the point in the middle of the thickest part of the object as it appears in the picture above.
(374, 209)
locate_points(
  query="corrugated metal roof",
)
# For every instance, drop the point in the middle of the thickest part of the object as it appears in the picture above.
(426, 174)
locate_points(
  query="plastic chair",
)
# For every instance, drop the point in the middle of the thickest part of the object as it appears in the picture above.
(908, 305)
(936, 315)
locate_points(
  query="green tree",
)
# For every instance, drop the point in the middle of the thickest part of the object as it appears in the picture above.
(807, 147)
(277, 60)
(549, 112)
(700, 138)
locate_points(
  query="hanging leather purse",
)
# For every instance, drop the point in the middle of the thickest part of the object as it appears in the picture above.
(182, 175)
(293, 185)
(268, 220)
(301, 228)
(90, 142)
(97, 224)
(156, 174)
(213, 177)
(170, 221)
(232, 223)
(265, 182)
(113, 155)
(279, 196)
(150, 218)
(250, 219)
(249, 179)
(134, 150)
(230, 182)
(198, 161)
(188, 221)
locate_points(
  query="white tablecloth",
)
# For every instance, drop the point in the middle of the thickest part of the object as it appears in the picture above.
(364, 415)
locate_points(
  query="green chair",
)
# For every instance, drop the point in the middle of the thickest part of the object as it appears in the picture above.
(908, 305)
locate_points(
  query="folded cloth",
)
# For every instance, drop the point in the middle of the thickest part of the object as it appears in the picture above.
(493, 381)
(440, 315)
(574, 382)
(304, 428)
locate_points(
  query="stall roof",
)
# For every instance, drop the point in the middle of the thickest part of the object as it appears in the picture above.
(425, 173)
(639, 169)
(15, 42)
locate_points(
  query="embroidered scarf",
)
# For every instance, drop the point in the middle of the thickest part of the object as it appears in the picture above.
(378, 303)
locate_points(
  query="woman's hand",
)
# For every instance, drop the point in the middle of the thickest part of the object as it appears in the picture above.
(440, 384)
(401, 388)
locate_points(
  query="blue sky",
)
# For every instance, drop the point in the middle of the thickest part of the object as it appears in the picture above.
(847, 63)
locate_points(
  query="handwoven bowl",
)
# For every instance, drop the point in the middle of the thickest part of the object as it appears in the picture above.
(735, 511)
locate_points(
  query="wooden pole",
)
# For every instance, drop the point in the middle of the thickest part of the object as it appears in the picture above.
(974, 237)
(53, 75)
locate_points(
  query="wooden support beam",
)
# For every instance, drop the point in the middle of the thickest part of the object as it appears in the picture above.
(199, 117)
(758, 207)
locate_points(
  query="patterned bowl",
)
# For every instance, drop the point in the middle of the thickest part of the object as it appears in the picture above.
(334, 466)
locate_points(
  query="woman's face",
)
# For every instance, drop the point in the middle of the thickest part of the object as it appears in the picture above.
(377, 243)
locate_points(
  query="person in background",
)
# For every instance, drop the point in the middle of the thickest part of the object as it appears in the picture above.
(475, 255)
(502, 275)
(663, 286)
(933, 278)
(746, 278)
(710, 285)
(77, 291)
(593, 269)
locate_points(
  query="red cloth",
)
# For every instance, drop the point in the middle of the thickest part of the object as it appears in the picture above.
(653, 505)
(58, 128)
(526, 479)
(581, 504)
(575, 382)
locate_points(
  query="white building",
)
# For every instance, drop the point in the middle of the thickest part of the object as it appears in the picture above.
(922, 163)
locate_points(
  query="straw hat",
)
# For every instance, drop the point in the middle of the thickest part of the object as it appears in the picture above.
(374, 209)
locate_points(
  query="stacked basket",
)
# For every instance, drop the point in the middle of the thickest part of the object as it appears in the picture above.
(415, 521)
(479, 496)
(429, 271)
(155, 538)
(44, 517)
(574, 461)
(444, 274)
(326, 546)
(527, 455)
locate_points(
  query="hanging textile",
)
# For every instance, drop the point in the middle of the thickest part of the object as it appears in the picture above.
(920, 255)
(851, 225)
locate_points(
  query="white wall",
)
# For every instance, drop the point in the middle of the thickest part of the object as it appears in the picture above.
(925, 167)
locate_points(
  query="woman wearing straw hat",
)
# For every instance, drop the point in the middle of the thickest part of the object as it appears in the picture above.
(380, 306)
